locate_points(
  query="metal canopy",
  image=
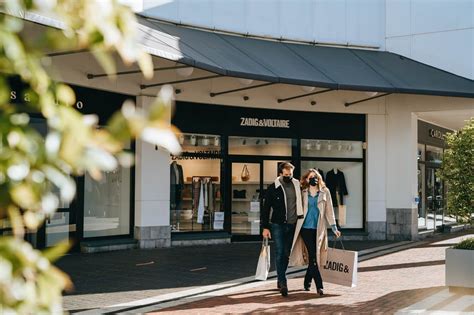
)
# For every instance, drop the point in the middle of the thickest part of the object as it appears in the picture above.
(271, 61)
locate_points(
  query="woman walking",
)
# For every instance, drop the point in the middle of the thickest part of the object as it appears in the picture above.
(310, 243)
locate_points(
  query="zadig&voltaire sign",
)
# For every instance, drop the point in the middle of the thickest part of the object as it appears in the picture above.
(266, 123)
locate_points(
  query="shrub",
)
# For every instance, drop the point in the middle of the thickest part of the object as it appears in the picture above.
(465, 244)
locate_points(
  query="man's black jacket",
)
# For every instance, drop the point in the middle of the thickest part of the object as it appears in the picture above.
(275, 205)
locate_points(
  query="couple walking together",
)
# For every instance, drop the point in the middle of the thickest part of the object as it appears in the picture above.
(294, 215)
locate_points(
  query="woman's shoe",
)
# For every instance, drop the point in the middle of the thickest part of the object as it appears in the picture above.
(320, 292)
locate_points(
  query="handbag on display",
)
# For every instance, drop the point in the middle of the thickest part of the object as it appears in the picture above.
(263, 265)
(342, 214)
(245, 175)
(239, 194)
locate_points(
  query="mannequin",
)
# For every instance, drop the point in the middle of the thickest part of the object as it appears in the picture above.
(177, 185)
(336, 183)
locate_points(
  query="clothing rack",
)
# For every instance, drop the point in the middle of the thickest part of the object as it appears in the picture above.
(196, 205)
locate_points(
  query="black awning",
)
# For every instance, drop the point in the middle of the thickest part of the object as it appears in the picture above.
(272, 61)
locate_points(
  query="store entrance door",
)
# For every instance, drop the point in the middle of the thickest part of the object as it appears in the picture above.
(434, 199)
(250, 179)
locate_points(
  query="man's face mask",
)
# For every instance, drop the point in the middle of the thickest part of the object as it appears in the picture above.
(313, 181)
(287, 179)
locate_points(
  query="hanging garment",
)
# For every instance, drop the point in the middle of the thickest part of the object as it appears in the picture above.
(210, 193)
(196, 193)
(205, 184)
(176, 185)
(337, 186)
(200, 212)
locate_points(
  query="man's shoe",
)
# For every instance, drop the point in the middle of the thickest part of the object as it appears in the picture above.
(283, 289)
(307, 286)
(278, 285)
(320, 292)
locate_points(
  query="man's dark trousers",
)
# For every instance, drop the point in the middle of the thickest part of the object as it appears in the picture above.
(282, 235)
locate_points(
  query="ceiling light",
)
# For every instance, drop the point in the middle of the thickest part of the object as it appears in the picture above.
(371, 94)
(216, 141)
(257, 142)
(266, 141)
(308, 89)
(308, 145)
(185, 72)
(245, 81)
(244, 142)
(206, 141)
(193, 140)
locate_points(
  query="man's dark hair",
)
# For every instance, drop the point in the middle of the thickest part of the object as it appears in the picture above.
(285, 166)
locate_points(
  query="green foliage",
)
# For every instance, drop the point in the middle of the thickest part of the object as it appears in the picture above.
(465, 244)
(458, 172)
(35, 170)
(29, 283)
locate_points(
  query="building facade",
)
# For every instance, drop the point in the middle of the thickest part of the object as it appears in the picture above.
(245, 104)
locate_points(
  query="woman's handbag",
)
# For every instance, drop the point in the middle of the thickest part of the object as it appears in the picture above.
(245, 175)
(263, 265)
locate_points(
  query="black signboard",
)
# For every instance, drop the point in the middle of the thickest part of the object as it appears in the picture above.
(431, 134)
(243, 121)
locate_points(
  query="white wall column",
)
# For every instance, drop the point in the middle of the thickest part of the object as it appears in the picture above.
(152, 192)
(401, 179)
(376, 177)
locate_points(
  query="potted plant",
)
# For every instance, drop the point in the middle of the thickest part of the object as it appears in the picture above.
(460, 265)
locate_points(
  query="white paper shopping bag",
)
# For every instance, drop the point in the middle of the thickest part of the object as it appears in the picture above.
(263, 266)
(341, 267)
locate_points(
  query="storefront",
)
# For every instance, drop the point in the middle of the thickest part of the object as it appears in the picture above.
(101, 209)
(231, 155)
(431, 189)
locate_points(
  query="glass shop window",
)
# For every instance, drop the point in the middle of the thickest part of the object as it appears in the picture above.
(345, 181)
(434, 154)
(195, 185)
(107, 203)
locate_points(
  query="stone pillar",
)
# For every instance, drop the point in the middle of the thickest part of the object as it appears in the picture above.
(376, 177)
(401, 180)
(152, 193)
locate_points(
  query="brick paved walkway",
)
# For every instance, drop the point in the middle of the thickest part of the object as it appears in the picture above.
(104, 279)
(410, 281)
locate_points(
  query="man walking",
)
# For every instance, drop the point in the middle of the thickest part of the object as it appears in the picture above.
(283, 202)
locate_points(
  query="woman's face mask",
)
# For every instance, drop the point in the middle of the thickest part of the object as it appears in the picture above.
(313, 181)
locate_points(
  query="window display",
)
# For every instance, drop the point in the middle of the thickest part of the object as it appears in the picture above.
(195, 186)
(345, 181)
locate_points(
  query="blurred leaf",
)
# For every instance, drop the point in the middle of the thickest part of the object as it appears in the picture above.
(65, 94)
(58, 250)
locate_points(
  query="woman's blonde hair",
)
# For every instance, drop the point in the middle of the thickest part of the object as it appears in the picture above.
(304, 182)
